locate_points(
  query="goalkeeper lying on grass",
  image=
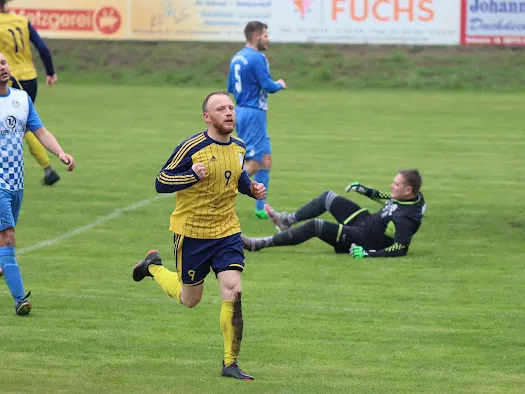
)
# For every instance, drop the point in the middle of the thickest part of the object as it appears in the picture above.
(385, 233)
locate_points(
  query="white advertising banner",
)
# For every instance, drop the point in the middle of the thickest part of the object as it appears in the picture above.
(493, 22)
(423, 22)
(413, 22)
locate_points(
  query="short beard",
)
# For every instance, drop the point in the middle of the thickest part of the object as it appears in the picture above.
(222, 130)
(260, 46)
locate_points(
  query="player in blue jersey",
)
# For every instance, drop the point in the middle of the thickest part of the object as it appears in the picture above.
(249, 80)
(17, 116)
(15, 37)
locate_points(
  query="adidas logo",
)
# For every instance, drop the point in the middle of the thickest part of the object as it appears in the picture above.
(213, 158)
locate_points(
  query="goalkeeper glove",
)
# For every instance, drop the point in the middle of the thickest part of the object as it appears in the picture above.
(357, 187)
(358, 252)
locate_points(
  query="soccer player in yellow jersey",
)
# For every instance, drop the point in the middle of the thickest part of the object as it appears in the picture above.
(206, 172)
(16, 34)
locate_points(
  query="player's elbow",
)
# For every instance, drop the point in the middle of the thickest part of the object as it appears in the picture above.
(43, 50)
(271, 88)
(161, 187)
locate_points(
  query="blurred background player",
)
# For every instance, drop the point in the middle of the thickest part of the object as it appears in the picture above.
(249, 80)
(17, 117)
(206, 171)
(16, 34)
(385, 233)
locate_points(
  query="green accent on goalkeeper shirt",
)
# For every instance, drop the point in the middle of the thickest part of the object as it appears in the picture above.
(390, 230)
(395, 246)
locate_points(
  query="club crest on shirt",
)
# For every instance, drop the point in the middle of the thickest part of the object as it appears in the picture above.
(388, 209)
(16, 104)
(10, 125)
(10, 122)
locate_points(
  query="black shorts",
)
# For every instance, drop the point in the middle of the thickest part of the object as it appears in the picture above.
(30, 86)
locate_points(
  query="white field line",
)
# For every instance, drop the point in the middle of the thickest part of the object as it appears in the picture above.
(113, 215)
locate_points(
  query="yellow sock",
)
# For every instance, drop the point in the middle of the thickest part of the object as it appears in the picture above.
(37, 150)
(231, 326)
(168, 280)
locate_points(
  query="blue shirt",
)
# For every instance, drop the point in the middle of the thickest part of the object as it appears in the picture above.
(249, 79)
(17, 115)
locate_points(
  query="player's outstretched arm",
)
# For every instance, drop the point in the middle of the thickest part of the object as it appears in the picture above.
(45, 54)
(49, 142)
(373, 194)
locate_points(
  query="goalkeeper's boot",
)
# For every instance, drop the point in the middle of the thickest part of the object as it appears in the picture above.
(282, 220)
(23, 307)
(50, 177)
(249, 244)
(140, 271)
(261, 214)
(233, 371)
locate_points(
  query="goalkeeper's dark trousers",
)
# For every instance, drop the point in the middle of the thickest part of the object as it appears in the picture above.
(325, 231)
(337, 235)
(341, 208)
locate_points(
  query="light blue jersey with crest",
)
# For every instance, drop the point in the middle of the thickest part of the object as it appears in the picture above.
(17, 115)
(249, 79)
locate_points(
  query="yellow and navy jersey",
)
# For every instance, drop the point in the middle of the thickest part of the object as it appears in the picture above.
(205, 208)
(15, 45)
(13, 82)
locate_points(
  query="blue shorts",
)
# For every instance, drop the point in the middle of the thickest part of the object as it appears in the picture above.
(195, 257)
(252, 129)
(10, 203)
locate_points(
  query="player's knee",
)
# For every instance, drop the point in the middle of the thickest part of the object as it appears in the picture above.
(7, 237)
(267, 162)
(317, 225)
(310, 226)
(328, 197)
(236, 294)
(190, 302)
(232, 293)
(189, 298)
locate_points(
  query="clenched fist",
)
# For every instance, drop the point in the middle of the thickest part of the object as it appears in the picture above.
(258, 190)
(199, 169)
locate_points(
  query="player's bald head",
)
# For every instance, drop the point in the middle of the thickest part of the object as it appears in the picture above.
(211, 97)
(5, 73)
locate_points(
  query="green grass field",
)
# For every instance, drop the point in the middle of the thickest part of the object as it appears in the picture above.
(448, 317)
